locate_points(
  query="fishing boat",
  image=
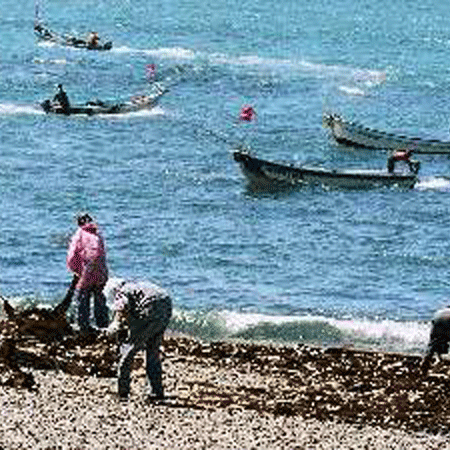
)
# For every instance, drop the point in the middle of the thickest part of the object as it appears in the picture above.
(354, 134)
(45, 34)
(95, 107)
(268, 175)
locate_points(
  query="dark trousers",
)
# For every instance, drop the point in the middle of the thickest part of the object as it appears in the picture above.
(145, 334)
(83, 300)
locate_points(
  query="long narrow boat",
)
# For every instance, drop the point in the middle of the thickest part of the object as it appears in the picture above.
(268, 175)
(45, 34)
(95, 107)
(354, 134)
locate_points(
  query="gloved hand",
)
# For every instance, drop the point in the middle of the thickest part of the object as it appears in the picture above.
(122, 334)
(113, 329)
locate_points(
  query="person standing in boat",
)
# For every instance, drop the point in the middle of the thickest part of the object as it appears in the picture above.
(405, 156)
(62, 99)
(86, 258)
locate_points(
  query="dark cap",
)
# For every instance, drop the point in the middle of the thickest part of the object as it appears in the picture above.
(83, 219)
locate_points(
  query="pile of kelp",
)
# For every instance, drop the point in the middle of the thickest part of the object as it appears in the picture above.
(42, 339)
(343, 384)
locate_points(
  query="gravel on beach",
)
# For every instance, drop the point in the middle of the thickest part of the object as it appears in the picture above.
(223, 395)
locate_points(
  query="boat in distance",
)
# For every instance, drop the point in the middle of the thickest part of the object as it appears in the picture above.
(45, 34)
(95, 107)
(357, 135)
(265, 174)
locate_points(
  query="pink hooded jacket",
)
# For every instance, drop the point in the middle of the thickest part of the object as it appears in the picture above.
(87, 257)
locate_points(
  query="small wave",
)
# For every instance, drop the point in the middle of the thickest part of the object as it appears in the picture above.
(155, 111)
(434, 184)
(381, 335)
(47, 44)
(353, 91)
(164, 52)
(387, 335)
(203, 325)
(50, 61)
(361, 76)
(366, 77)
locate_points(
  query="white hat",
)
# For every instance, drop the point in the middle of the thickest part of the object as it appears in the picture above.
(111, 287)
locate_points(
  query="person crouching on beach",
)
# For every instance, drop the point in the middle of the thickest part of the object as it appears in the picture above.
(143, 310)
(439, 338)
(86, 258)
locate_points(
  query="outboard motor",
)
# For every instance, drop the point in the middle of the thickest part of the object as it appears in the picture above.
(414, 166)
(46, 106)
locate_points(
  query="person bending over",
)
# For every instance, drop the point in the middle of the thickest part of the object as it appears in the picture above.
(142, 313)
(439, 338)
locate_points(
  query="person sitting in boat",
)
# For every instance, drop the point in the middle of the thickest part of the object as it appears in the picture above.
(405, 156)
(93, 40)
(43, 32)
(139, 99)
(62, 99)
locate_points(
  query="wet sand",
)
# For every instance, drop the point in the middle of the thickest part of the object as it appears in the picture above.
(224, 396)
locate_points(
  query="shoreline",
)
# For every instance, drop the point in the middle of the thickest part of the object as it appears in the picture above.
(228, 395)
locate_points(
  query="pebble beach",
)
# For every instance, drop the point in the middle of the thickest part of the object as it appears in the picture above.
(227, 395)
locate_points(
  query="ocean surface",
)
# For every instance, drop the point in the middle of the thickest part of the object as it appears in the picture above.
(327, 266)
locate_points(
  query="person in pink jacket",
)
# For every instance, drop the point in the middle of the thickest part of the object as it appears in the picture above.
(86, 258)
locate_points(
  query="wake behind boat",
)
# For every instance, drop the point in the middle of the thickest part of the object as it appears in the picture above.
(268, 175)
(354, 134)
(95, 107)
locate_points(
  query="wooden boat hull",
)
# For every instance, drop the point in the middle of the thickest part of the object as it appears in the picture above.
(268, 175)
(96, 107)
(354, 134)
(80, 43)
(45, 34)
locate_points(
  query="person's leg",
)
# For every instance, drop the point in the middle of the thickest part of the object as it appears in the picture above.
(128, 351)
(153, 334)
(100, 308)
(439, 342)
(153, 366)
(82, 297)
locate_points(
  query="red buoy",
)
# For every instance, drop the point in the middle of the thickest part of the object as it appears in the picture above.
(247, 113)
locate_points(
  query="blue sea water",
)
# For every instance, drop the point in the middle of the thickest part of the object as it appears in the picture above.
(371, 266)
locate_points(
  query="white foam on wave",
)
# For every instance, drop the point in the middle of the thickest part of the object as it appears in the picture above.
(47, 44)
(155, 111)
(12, 109)
(433, 184)
(402, 335)
(62, 61)
(352, 91)
(163, 52)
(381, 334)
(366, 77)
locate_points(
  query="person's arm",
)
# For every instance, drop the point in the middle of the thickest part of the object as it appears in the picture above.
(74, 262)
